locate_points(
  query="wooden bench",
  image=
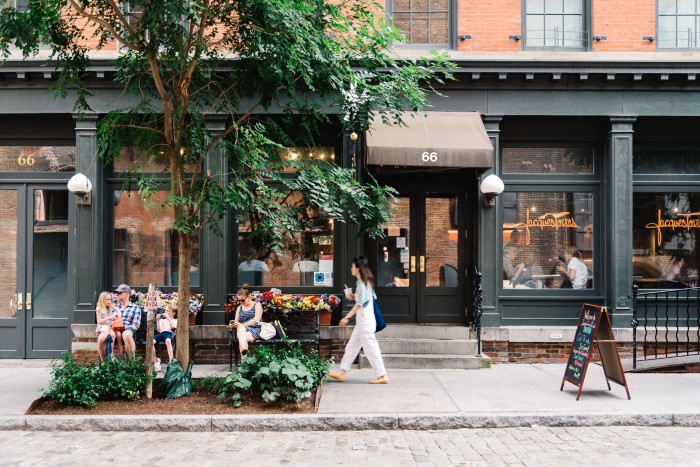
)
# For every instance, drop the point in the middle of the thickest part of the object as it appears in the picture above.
(301, 327)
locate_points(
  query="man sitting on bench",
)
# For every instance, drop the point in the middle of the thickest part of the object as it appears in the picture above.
(165, 325)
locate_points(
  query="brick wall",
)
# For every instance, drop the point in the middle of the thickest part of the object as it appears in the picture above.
(624, 22)
(490, 23)
(540, 352)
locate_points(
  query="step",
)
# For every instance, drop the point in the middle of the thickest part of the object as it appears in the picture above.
(425, 331)
(427, 346)
(430, 362)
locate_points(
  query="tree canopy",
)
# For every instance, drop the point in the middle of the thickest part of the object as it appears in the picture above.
(182, 62)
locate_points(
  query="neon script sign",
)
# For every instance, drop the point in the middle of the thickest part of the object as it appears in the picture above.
(549, 220)
(683, 221)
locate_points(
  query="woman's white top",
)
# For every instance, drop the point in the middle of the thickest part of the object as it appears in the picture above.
(364, 296)
(581, 278)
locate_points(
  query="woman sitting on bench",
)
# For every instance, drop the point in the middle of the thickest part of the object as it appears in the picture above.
(247, 321)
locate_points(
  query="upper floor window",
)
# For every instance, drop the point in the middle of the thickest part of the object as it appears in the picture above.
(556, 24)
(423, 22)
(678, 24)
(20, 5)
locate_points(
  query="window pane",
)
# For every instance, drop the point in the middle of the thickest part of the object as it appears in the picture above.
(666, 161)
(8, 258)
(393, 252)
(667, 7)
(403, 22)
(308, 258)
(535, 6)
(420, 28)
(667, 32)
(146, 247)
(553, 31)
(441, 240)
(686, 7)
(420, 5)
(573, 6)
(438, 28)
(553, 6)
(664, 252)
(550, 242)
(535, 31)
(573, 31)
(548, 160)
(37, 158)
(402, 5)
(439, 5)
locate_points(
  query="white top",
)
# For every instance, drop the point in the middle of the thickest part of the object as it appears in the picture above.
(305, 266)
(581, 278)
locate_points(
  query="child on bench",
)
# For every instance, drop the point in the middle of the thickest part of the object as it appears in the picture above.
(165, 325)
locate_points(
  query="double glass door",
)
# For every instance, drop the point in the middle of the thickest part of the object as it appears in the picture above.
(34, 317)
(421, 262)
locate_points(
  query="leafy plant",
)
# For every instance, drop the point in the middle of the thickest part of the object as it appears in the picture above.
(210, 384)
(232, 385)
(77, 383)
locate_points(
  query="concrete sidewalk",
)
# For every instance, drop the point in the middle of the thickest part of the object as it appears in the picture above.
(505, 395)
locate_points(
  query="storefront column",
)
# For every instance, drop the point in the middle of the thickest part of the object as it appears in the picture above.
(89, 229)
(617, 208)
(488, 242)
(214, 249)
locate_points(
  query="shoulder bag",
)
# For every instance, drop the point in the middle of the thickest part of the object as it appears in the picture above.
(267, 331)
(378, 317)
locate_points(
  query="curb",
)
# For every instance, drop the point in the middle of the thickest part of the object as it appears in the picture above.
(228, 423)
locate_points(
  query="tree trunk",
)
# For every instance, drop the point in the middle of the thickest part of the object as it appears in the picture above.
(182, 352)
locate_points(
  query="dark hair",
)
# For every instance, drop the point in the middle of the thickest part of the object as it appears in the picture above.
(243, 291)
(366, 275)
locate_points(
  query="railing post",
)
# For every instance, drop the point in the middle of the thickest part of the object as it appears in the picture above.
(478, 292)
(635, 323)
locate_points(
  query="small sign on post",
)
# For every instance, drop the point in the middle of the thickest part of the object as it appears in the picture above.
(594, 328)
(150, 306)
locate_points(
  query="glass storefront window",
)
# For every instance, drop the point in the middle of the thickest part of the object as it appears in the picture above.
(662, 161)
(135, 160)
(664, 250)
(548, 160)
(37, 158)
(306, 153)
(548, 240)
(308, 258)
(146, 246)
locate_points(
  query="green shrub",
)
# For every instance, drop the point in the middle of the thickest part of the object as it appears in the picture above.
(73, 383)
(286, 372)
(210, 384)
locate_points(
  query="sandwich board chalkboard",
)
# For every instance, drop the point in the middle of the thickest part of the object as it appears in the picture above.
(594, 327)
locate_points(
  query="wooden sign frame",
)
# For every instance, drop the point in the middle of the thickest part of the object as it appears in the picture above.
(594, 328)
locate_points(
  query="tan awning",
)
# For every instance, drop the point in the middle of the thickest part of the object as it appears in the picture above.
(435, 139)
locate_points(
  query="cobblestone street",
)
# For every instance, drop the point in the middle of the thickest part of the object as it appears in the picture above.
(508, 446)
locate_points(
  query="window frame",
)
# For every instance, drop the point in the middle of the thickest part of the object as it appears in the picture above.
(451, 29)
(657, 18)
(558, 183)
(586, 42)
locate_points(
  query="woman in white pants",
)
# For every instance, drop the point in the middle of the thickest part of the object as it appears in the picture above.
(363, 336)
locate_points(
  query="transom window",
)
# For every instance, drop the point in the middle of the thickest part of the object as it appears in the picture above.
(555, 24)
(678, 24)
(422, 22)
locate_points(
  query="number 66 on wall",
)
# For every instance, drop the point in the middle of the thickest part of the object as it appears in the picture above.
(429, 156)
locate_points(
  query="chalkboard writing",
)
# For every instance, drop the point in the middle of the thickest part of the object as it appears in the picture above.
(594, 328)
(583, 344)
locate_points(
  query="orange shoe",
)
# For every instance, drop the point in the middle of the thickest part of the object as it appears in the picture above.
(337, 376)
(380, 380)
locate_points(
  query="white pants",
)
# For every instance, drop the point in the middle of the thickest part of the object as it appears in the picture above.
(363, 337)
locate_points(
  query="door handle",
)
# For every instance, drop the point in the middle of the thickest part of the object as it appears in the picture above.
(413, 264)
(20, 302)
(29, 301)
(422, 264)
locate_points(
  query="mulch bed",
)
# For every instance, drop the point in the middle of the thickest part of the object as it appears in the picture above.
(198, 403)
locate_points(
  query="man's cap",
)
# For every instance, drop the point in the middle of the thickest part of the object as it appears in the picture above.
(123, 288)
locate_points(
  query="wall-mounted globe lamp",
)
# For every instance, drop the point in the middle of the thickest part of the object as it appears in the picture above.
(81, 187)
(491, 187)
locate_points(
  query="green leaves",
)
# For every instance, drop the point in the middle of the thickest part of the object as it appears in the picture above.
(285, 372)
(85, 384)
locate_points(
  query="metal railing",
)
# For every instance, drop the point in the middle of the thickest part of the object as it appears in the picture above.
(670, 320)
(477, 294)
